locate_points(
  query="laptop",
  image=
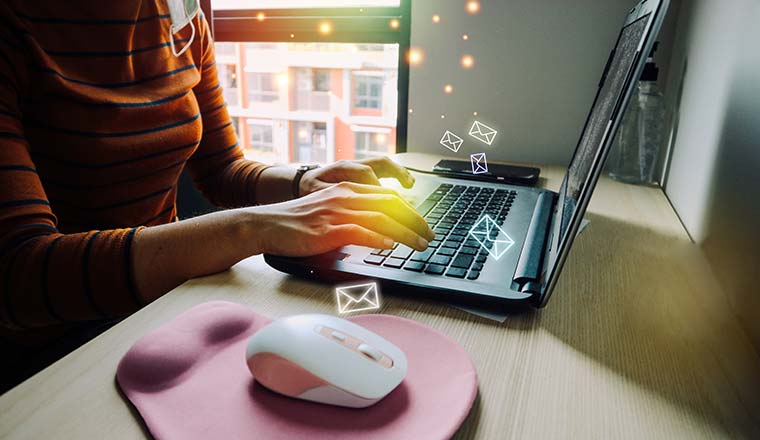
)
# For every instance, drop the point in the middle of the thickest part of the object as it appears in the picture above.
(498, 244)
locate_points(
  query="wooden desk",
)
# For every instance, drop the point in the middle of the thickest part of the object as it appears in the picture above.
(637, 342)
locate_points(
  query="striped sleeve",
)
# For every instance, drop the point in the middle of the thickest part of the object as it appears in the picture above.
(218, 167)
(47, 277)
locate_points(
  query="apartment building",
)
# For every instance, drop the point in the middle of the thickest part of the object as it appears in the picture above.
(311, 102)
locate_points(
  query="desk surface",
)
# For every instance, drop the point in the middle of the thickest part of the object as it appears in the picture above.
(638, 341)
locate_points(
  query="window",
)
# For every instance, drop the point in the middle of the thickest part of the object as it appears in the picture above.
(261, 87)
(368, 91)
(311, 142)
(229, 83)
(310, 71)
(260, 136)
(370, 144)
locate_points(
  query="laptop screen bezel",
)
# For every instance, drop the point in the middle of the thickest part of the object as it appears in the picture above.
(559, 244)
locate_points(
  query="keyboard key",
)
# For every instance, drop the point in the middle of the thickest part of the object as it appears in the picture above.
(440, 259)
(477, 267)
(414, 266)
(394, 263)
(473, 275)
(435, 269)
(451, 244)
(374, 259)
(449, 252)
(456, 237)
(402, 252)
(468, 251)
(434, 244)
(456, 272)
(462, 261)
(423, 256)
(481, 258)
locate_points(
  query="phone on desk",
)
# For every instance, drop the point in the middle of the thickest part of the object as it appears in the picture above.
(513, 174)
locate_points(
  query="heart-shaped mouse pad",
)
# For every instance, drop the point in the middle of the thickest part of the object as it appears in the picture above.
(189, 380)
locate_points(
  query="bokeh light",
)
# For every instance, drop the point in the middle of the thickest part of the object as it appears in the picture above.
(436, 18)
(448, 89)
(465, 37)
(260, 16)
(415, 56)
(468, 62)
(325, 28)
(394, 23)
(472, 7)
(282, 80)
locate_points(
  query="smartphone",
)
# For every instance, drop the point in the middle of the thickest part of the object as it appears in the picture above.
(512, 174)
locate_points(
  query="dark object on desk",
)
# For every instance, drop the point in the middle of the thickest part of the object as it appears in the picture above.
(513, 174)
(496, 243)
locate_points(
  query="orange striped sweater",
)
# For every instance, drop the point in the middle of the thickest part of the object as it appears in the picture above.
(97, 120)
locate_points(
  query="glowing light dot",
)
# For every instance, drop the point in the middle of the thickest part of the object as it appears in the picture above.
(416, 56)
(472, 7)
(468, 61)
(411, 110)
(260, 16)
(325, 28)
(302, 134)
(465, 37)
(448, 88)
(292, 35)
(282, 79)
(381, 139)
(443, 116)
(394, 23)
(436, 18)
(474, 113)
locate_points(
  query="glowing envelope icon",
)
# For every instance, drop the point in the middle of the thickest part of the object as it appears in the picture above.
(482, 132)
(479, 164)
(357, 298)
(452, 141)
(491, 237)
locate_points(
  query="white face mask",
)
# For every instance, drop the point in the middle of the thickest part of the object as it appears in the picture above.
(182, 13)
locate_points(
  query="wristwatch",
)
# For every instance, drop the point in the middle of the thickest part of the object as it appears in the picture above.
(297, 179)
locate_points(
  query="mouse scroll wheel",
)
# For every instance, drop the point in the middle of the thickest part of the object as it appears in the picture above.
(370, 352)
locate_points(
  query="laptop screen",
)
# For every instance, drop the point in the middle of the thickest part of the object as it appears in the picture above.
(587, 160)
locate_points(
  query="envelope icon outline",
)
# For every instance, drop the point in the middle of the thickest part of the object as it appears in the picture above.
(491, 237)
(479, 164)
(357, 298)
(482, 132)
(452, 141)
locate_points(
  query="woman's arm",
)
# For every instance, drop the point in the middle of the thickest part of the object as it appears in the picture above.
(347, 213)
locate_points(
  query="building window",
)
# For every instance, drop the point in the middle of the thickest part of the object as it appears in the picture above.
(260, 136)
(371, 144)
(368, 91)
(228, 81)
(310, 142)
(261, 87)
(320, 80)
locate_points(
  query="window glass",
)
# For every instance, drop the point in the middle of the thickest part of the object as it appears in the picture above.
(288, 4)
(313, 98)
(372, 144)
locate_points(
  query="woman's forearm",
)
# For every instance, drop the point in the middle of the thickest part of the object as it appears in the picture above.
(275, 185)
(166, 256)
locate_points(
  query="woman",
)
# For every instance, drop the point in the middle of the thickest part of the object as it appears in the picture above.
(98, 117)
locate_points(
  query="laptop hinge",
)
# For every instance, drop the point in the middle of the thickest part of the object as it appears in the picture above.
(528, 272)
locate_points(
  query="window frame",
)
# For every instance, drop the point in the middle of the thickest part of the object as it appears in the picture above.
(369, 25)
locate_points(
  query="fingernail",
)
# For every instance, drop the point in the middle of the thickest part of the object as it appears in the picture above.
(422, 243)
(388, 243)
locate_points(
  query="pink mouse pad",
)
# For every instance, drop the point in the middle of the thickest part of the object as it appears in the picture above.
(189, 380)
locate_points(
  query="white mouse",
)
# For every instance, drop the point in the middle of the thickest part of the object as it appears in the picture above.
(325, 359)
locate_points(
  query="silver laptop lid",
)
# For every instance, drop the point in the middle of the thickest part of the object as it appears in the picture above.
(618, 82)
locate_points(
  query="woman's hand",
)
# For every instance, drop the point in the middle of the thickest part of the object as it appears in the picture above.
(366, 171)
(342, 214)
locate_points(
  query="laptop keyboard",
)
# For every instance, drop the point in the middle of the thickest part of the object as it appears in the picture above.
(451, 211)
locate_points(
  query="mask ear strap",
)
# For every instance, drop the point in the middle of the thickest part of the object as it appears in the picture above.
(187, 45)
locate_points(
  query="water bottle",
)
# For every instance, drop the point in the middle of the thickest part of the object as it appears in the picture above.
(641, 133)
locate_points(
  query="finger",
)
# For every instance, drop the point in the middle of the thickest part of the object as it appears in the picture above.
(393, 207)
(385, 167)
(345, 235)
(359, 173)
(384, 225)
(372, 189)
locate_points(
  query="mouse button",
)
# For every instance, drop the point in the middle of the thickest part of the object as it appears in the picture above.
(375, 355)
(282, 375)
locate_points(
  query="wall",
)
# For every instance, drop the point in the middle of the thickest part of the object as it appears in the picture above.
(714, 180)
(537, 66)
